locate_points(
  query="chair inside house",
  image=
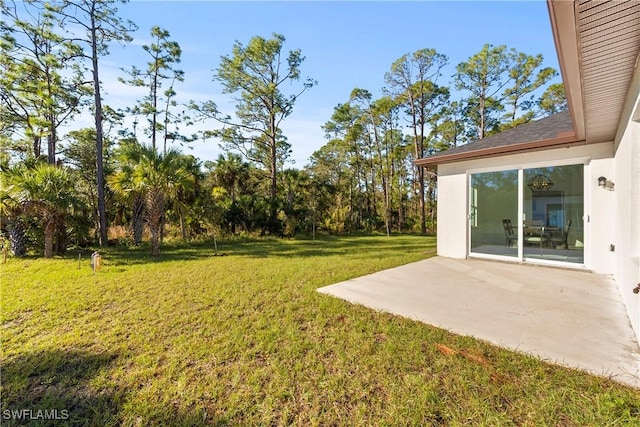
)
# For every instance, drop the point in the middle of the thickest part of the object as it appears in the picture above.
(535, 233)
(510, 235)
(562, 239)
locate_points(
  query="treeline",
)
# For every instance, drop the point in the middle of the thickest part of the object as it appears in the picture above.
(63, 189)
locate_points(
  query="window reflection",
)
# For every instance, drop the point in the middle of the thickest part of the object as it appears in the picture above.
(552, 219)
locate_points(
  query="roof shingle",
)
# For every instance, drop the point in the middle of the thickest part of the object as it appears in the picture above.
(547, 128)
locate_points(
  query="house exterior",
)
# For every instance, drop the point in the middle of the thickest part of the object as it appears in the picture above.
(564, 190)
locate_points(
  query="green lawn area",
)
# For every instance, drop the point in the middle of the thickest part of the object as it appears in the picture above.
(245, 339)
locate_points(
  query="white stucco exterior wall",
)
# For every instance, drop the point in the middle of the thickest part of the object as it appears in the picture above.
(627, 220)
(602, 211)
(452, 214)
(599, 203)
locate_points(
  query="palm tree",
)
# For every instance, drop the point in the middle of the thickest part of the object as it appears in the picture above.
(121, 182)
(229, 173)
(11, 214)
(186, 196)
(157, 178)
(45, 191)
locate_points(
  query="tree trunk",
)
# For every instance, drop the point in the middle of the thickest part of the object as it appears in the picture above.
(60, 237)
(387, 206)
(183, 227)
(419, 152)
(273, 203)
(137, 220)
(17, 238)
(49, 232)
(433, 211)
(51, 138)
(154, 202)
(481, 131)
(37, 146)
(421, 199)
(154, 116)
(51, 145)
(102, 211)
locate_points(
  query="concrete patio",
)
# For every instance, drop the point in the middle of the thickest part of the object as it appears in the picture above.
(570, 317)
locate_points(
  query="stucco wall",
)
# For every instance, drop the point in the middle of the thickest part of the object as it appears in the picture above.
(599, 203)
(627, 221)
(452, 214)
(602, 214)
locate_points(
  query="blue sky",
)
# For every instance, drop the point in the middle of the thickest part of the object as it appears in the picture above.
(347, 44)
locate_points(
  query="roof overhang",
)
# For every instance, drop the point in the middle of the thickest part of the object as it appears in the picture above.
(565, 139)
(565, 35)
(598, 44)
(598, 47)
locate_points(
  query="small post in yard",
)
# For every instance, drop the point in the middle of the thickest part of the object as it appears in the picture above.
(4, 255)
(79, 253)
(96, 261)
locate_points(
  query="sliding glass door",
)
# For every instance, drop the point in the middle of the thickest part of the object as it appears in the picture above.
(494, 201)
(553, 211)
(550, 226)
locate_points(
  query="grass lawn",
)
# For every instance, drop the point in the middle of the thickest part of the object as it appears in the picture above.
(245, 339)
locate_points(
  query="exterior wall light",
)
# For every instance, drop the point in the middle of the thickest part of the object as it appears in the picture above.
(605, 183)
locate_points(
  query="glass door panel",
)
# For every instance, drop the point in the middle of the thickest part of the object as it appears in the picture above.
(493, 213)
(553, 211)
